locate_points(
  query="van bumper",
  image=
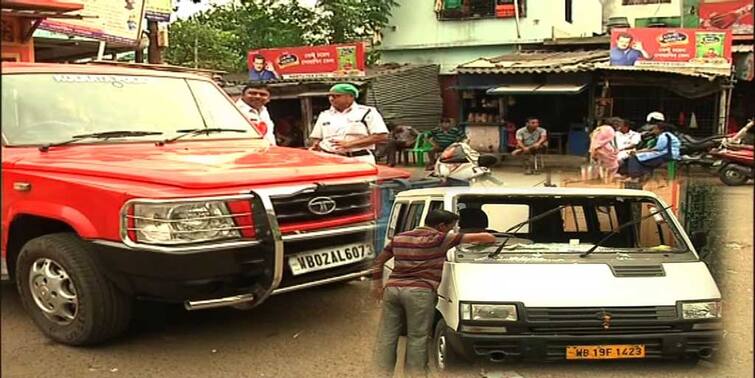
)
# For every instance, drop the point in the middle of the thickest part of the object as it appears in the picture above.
(676, 345)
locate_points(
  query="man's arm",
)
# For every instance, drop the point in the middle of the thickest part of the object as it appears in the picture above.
(480, 237)
(543, 139)
(362, 142)
(377, 271)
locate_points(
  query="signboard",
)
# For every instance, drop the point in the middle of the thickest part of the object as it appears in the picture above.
(671, 47)
(725, 14)
(116, 21)
(307, 61)
(158, 10)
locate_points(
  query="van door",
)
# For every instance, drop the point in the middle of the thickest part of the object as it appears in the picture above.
(404, 216)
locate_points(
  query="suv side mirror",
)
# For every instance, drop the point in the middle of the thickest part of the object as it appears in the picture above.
(699, 239)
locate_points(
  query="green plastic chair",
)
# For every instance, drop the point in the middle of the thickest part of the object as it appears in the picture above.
(421, 147)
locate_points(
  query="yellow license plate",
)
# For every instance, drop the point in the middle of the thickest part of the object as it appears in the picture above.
(604, 352)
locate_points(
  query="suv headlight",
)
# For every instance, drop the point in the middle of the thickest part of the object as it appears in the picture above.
(488, 312)
(176, 223)
(701, 310)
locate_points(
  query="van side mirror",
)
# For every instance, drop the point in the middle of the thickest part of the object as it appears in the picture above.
(699, 240)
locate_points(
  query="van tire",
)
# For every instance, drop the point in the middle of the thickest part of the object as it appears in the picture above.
(58, 272)
(443, 357)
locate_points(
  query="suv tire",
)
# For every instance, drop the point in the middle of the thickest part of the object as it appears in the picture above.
(66, 293)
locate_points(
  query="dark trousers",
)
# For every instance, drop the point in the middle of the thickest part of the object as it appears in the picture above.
(392, 149)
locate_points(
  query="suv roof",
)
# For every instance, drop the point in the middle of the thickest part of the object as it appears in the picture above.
(93, 69)
(457, 190)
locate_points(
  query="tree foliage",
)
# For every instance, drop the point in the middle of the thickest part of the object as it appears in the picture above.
(224, 34)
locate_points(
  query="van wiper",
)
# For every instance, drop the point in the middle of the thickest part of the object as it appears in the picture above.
(203, 130)
(619, 228)
(103, 135)
(517, 226)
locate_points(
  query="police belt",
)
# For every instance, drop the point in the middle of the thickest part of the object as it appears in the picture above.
(354, 153)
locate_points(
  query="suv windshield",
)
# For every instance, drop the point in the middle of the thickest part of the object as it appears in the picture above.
(40, 109)
(576, 225)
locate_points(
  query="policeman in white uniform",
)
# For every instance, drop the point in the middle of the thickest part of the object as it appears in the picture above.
(347, 128)
(252, 103)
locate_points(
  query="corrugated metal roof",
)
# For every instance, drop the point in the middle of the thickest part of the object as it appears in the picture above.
(707, 73)
(536, 62)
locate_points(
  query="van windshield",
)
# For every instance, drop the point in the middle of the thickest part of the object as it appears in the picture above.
(50, 108)
(571, 224)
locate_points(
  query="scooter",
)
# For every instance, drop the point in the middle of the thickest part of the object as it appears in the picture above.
(734, 159)
(460, 165)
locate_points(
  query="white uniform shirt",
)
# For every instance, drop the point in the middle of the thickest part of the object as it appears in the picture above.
(347, 125)
(262, 116)
(624, 140)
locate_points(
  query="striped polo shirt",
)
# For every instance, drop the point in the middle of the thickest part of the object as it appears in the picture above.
(445, 138)
(418, 255)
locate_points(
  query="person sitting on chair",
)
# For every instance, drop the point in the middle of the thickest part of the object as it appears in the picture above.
(402, 137)
(644, 161)
(442, 137)
(531, 140)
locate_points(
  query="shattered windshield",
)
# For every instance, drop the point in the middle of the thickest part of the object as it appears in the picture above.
(528, 226)
(42, 109)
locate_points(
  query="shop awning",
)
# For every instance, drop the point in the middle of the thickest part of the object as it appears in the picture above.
(538, 89)
(536, 62)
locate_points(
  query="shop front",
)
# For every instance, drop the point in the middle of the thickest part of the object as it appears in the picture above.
(497, 95)
(20, 18)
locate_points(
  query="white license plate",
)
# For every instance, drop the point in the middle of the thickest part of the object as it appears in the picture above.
(329, 257)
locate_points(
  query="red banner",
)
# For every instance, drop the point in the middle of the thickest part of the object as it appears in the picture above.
(671, 47)
(307, 61)
(725, 14)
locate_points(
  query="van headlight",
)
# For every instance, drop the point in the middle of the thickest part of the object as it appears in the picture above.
(701, 310)
(488, 312)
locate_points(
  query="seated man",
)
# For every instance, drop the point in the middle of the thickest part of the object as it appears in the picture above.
(442, 137)
(642, 162)
(531, 140)
(626, 138)
(402, 137)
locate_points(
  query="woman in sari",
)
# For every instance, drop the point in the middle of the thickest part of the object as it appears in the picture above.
(603, 149)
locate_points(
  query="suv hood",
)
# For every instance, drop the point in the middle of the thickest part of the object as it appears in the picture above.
(192, 165)
(580, 285)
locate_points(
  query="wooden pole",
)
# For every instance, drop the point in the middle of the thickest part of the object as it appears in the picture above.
(155, 55)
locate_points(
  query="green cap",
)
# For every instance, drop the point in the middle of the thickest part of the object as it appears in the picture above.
(345, 88)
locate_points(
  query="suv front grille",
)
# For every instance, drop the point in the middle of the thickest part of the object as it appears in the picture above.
(350, 199)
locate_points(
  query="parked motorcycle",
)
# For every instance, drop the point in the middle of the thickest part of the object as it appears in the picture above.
(735, 159)
(460, 165)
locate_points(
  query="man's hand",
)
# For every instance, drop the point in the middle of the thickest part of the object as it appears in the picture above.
(377, 291)
(638, 46)
(341, 146)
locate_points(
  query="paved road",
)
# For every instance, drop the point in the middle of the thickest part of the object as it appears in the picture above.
(328, 332)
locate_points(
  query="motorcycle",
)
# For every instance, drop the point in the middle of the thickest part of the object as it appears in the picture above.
(692, 151)
(460, 165)
(735, 159)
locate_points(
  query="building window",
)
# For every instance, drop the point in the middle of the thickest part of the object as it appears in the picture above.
(568, 11)
(644, 2)
(472, 9)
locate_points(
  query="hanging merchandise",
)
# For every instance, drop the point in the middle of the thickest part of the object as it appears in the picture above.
(693, 121)
(682, 119)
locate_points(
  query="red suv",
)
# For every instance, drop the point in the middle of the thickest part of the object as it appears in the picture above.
(123, 184)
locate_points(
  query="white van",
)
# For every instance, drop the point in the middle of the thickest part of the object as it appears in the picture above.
(576, 274)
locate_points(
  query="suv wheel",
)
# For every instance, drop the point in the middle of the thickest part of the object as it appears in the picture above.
(442, 355)
(66, 293)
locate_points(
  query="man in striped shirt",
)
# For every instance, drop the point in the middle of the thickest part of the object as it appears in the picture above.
(443, 136)
(409, 296)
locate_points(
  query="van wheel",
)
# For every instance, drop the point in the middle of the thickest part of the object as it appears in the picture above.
(442, 356)
(66, 293)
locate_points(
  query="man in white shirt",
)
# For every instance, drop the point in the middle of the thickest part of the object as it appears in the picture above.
(252, 103)
(626, 139)
(347, 128)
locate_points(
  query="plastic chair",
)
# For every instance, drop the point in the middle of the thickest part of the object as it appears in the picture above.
(421, 147)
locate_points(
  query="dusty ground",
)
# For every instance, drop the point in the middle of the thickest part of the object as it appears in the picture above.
(328, 332)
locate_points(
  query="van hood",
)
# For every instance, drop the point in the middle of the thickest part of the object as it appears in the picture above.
(580, 285)
(192, 165)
